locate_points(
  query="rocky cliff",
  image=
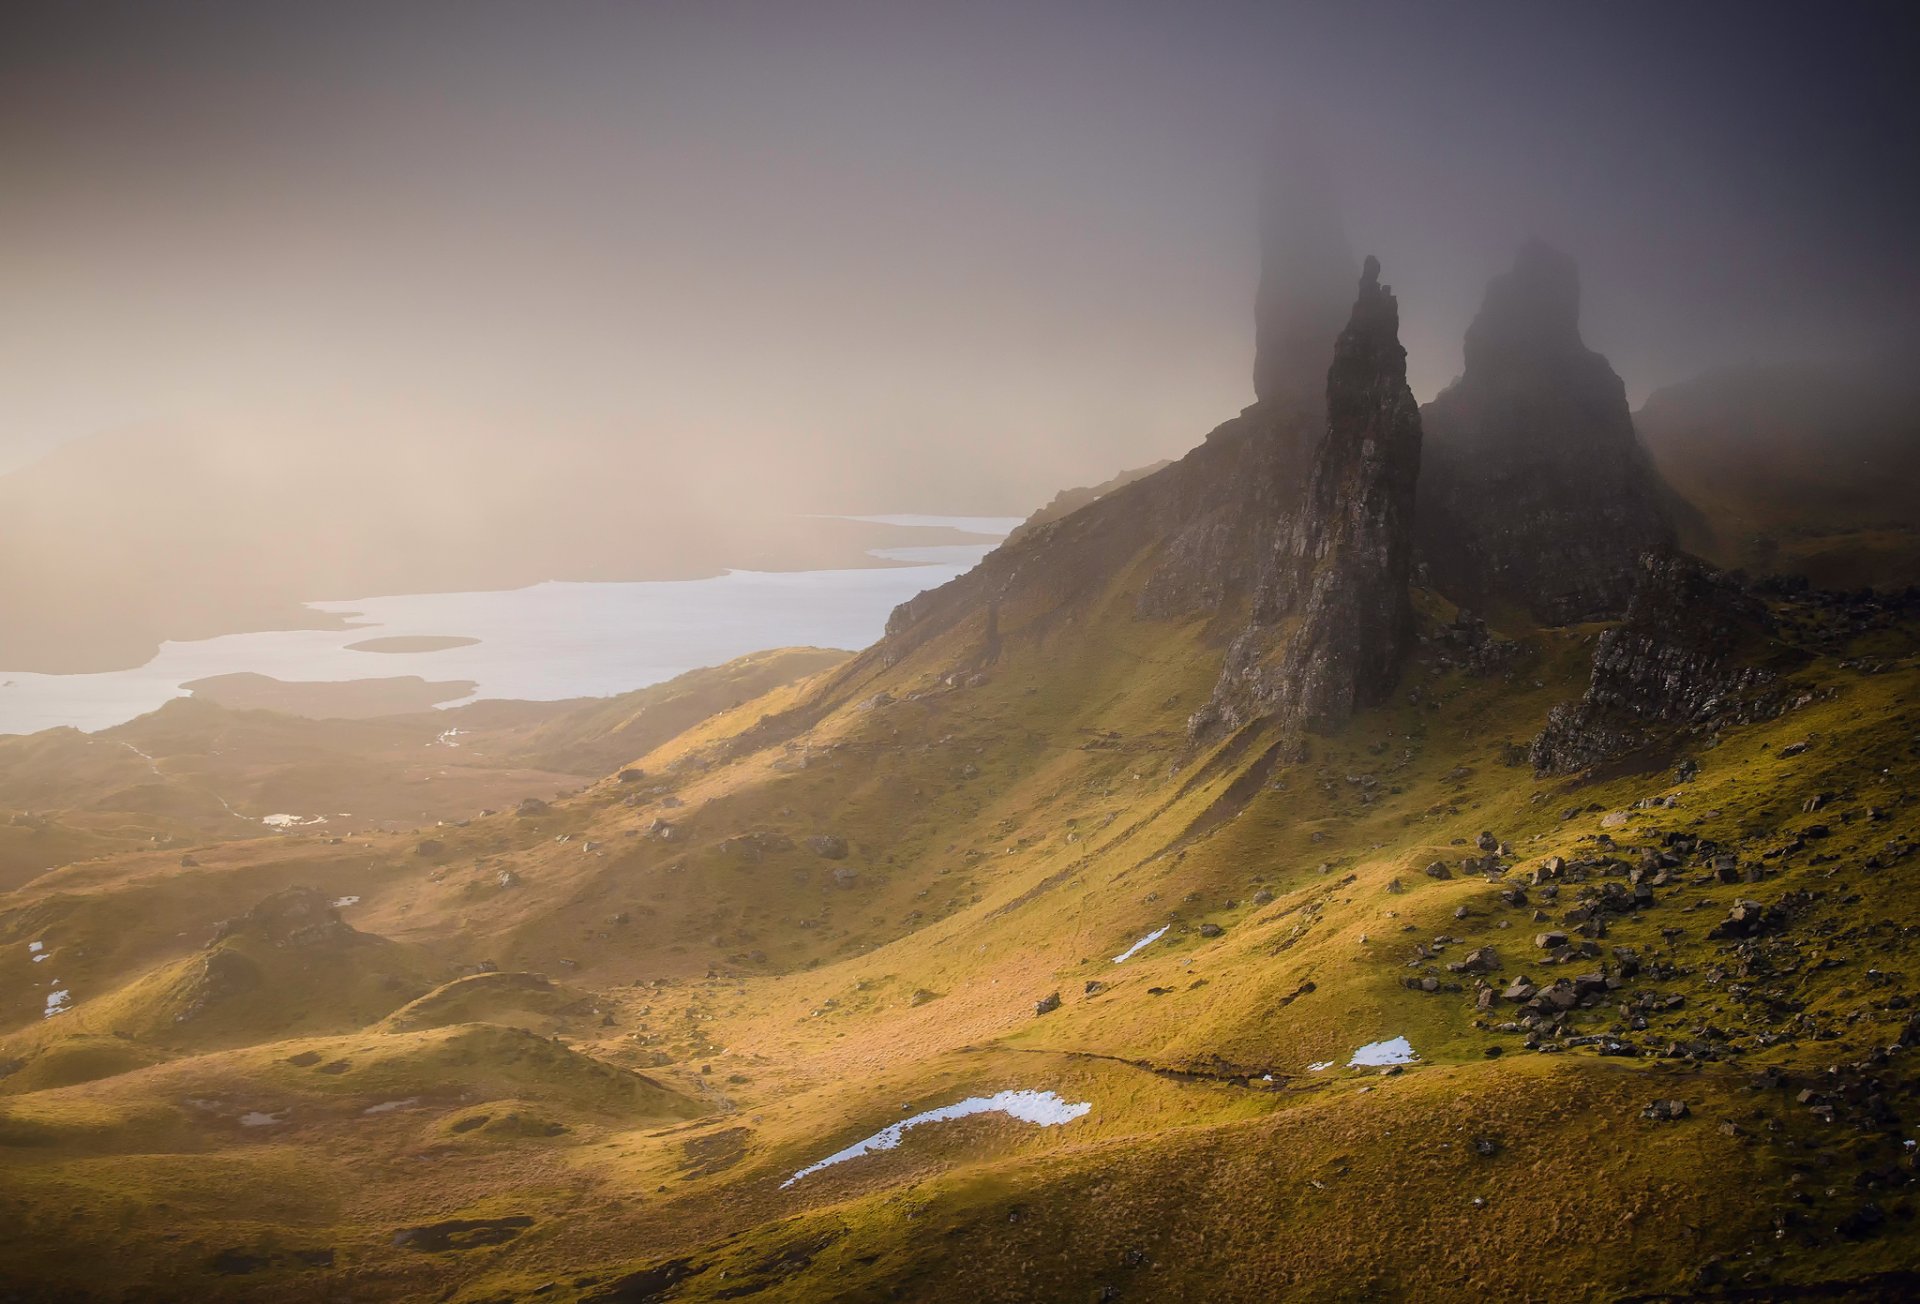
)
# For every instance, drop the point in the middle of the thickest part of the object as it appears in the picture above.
(1289, 532)
(1331, 619)
(1686, 659)
(1536, 491)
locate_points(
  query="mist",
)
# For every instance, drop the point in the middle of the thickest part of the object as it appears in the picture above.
(707, 264)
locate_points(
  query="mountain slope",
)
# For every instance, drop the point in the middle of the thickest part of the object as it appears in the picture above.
(972, 968)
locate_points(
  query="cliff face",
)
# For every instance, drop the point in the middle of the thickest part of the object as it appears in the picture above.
(1288, 531)
(1681, 660)
(1331, 618)
(1536, 491)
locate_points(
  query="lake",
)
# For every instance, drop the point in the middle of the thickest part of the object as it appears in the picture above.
(542, 643)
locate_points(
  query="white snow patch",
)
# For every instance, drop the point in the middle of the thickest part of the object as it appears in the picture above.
(1041, 1108)
(255, 1118)
(1148, 940)
(1321, 1067)
(1375, 1053)
(341, 903)
(446, 738)
(388, 1106)
(291, 821)
(58, 1000)
(35, 948)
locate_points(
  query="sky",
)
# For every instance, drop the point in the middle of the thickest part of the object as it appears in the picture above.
(943, 255)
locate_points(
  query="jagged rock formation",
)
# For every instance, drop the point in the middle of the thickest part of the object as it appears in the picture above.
(1289, 531)
(1213, 520)
(1536, 491)
(1332, 619)
(1306, 282)
(1684, 658)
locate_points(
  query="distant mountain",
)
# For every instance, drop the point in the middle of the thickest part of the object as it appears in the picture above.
(1798, 468)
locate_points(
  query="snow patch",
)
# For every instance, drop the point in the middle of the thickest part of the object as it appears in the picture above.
(341, 903)
(255, 1118)
(1041, 1108)
(1148, 940)
(1321, 1067)
(388, 1106)
(1376, 1053)
(58, 1001)
(291, 821)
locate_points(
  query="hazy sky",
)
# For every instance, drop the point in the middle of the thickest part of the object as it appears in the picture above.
(1025, 231)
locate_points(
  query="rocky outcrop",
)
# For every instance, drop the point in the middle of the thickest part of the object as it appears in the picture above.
(1289, 530)
(1685, 658)
(1331, 619)
(1536, 491)
(296, 916)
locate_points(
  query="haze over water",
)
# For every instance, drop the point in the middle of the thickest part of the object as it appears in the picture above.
(546, 642)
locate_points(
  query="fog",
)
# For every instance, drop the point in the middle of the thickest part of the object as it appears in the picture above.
(869, 257)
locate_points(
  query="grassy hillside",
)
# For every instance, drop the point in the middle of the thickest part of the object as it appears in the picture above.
(841, 905)
(197, 771)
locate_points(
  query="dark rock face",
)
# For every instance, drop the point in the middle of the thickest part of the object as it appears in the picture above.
(1331, 618)
(1536, 490)
(1682, 659)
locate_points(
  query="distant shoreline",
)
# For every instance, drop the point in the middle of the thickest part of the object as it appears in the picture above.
(405, 643)
(35, 644)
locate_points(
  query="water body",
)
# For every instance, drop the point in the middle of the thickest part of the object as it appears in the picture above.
(546, 642)
(1041, 1108)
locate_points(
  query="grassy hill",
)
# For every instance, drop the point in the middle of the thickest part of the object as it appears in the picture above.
(197, 772)
(840, 905)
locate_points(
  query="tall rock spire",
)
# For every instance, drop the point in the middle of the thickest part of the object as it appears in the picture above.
(1306, 280)
(1536, 493)
(1332, 619)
